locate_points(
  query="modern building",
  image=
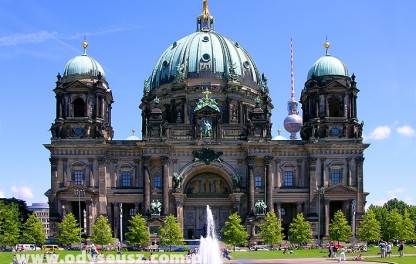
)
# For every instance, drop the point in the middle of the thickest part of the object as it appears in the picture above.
(41, 211)
(206, 140)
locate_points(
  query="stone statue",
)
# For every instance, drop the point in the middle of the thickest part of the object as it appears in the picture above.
(207, 129)
(177, 180)
(260, 207)
(237, 179)
(180, 69)
(155, 207)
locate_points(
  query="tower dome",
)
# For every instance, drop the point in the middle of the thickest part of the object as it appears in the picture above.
(83, 65)
(328, 65)
(205, 54)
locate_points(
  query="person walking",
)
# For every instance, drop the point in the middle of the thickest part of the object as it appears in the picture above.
(388, 249)
(401, 249)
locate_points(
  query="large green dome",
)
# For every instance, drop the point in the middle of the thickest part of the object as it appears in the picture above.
(205, 54)
(83, 65)
(328, 65)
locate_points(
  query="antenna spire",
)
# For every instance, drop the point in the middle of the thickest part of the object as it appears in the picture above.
(292, 72)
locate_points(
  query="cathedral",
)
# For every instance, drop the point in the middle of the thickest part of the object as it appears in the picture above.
(206, 140)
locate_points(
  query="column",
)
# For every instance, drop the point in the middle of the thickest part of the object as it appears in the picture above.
(360, 196)
(299, 175)
(66, 180)
(279, 210)
(326, 222)
(91, 172)
(313, 183)
(278, 174)
(269, 179)
(146, 178)
(185, 112)
(349, 178)
(179, 211)
(165, 181)
(299, 207)
(250, 168)
(54, 175)
(102, 185)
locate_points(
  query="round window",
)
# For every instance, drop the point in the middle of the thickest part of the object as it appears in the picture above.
(206, 57)
(205, 39)
(246, 64)
(165, 64)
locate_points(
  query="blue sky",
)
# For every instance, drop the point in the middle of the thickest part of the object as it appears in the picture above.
(375, 39)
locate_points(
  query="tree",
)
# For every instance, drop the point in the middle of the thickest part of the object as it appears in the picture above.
(271, 229)
(370, 228)
(391, 228)
(299, 230)
(9, 224)
(339, 230)
(101, 231)
(170, 233)
(407, 227)
(138, 233)
(33, 231)
(234, 232)
(23, 212)
(68, 230)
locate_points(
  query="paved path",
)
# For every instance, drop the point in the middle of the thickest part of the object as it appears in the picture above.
(293, 261)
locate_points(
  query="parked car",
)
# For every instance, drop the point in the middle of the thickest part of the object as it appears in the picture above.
(6, 249)
(134, 248)
(27, 247)
(52, 248)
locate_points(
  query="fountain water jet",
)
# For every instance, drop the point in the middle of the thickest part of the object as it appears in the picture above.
(209, 249)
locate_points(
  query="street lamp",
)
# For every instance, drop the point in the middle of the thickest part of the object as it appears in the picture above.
(79, 193)
(354, 206)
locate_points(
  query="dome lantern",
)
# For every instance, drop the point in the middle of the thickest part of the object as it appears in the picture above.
(205, 20)
(327, 65)
(83, 65)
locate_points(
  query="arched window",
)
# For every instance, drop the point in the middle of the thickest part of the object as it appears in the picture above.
(126, 179)
(334, 107)
(78, 173)
(335, 173)
(79, 107)
(125, 172)
(289, 173)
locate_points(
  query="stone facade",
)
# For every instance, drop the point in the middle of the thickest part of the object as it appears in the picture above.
(206, 140)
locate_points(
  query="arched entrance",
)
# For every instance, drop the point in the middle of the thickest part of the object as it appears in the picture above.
(201, 190)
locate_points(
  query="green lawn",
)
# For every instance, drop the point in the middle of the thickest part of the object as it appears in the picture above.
(320, 253)
(71, 256)
(404, 260)
(6, 257)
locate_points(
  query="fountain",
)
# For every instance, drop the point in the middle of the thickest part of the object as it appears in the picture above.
(209, 249)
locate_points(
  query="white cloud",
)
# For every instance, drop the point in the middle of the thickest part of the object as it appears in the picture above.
(380, 133)
(406, 130)
(2, 194)
(34, 37)
(393, 193)
(24, 192)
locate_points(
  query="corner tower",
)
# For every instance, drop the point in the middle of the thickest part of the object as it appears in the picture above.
(83, 100)
(329, 102)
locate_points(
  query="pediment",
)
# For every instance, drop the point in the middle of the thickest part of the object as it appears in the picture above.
(340, 189)
(76, 84)
(207, 110)
(335, 85)
(73, 189)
